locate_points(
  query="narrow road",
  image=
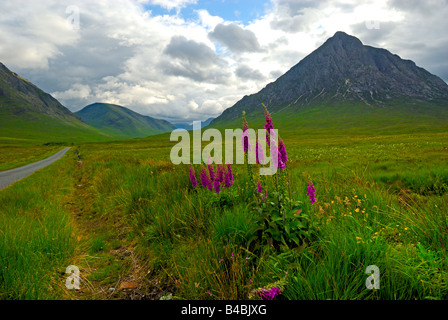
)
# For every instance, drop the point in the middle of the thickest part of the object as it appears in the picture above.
(10, 176)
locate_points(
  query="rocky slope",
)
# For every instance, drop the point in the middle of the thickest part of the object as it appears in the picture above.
(20, 97)
(343, 69)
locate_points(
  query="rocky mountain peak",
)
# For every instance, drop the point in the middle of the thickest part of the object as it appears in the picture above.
(344, 69)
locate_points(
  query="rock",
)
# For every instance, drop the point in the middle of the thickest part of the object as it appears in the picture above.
(128, 285)
(167, 297)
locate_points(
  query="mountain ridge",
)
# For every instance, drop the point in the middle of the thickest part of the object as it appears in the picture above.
(27, 112)
(342, 70)
(15, 89)
(204, 123)
(119, 120)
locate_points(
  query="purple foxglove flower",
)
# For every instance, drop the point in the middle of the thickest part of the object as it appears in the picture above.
(216, 185)
(211, 172)
(281, 164)
(220, 174)
(275, 154)
(282, 151)
(245, 141)
(205, 180)
(270, 294)
(259, 154)
(228, 176)
(268, 125)
(265, 195)
(193, 180)
(245, 135)
(259, 189)
(245, 124)
(311, 192)
(277, 157)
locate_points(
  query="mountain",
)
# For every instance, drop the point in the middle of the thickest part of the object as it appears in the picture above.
(190, 126)
(120, 121)
(30, 114)
(343, 72)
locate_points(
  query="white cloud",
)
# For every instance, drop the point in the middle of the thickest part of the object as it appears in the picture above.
(77, 91)
(171, 4)
(31, 36)
(207, 20)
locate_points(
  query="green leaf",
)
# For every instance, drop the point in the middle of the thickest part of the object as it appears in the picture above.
(287, 229)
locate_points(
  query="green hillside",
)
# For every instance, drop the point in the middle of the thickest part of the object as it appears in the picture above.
(348, 118)
(44, 129)
(29, 115)
(122, 122)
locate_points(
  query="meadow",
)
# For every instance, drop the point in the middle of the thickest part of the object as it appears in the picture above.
(13, 155)
(135, 226)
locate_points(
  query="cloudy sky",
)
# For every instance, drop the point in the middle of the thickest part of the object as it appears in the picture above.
(185, 60)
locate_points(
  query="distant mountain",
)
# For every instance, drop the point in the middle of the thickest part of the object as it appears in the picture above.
(343, 72)
(190, 126)
(27, 112)
(121, 121)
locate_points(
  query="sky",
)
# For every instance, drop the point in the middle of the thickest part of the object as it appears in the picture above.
(185, 60)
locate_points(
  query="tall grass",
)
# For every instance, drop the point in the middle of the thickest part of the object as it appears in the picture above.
(36, 237)
(381, 200)
(12, 156)
(189, 235)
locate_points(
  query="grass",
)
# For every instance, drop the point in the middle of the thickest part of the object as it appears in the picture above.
(36, 128)
(12, 156)
(381, 200)
(36, 234)
(352, 119)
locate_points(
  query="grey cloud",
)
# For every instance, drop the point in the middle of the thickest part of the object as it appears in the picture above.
(435, 60)
(89, 62)
(196, 74)
(191, 51)
(235, 38)
(94, 56)
(418, 6)
(246, 72)
(295, 7)
(371, 36)
(419, 36)
(289, 24)
(276, 74)
(194, 60)
(291, 15)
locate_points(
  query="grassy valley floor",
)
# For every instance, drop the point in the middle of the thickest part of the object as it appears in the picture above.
(13, 156)
(136, 229)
